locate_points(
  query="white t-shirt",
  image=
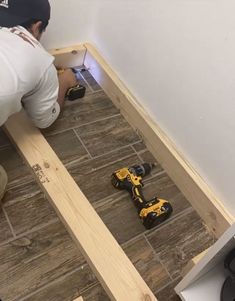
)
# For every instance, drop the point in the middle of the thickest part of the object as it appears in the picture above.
(28, 78)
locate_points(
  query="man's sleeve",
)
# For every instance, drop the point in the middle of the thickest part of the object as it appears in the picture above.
(41, 104)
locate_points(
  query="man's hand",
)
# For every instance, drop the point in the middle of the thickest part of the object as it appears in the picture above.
(67, 80)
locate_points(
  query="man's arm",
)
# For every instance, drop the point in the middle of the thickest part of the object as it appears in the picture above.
(44, 103)
(67, 80)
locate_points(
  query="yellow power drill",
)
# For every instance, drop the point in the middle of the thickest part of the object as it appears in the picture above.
(152, 212)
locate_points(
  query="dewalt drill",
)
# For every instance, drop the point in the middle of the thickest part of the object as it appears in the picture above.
(151, 212)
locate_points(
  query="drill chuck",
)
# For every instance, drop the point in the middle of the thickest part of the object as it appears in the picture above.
(141, 170)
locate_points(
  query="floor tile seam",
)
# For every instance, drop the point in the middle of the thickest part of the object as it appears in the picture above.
(98, 120)
(83, 291)
(104, 165)
(158, 257)
(11, 184)
(115, 150)
(100, 156)
(142, 160)
(62, 277)
(83, 144)
(55, 132)
(9, 222)
(123, 158)
(138, 155)
(171, 220)
(35, 229)
(13, 202)
(85, 80)
(146, 232)
(4, 146)
(166, 285)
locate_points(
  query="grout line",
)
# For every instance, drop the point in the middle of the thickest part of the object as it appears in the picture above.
(138, 155)
(159, 227)
(37, 192)
(64, 276)
(171, 220)
(105, 165)
(83, 144)
(100, 156)
(78, 126)
(4, 146)
(158, 257)
(102, 119)
(35, 229)
(143, 161)
(166, 285)
(9, 222)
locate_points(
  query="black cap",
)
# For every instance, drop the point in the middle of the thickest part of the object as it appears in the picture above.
(16, 12)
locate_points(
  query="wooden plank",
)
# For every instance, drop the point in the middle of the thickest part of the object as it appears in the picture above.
(107, 259)
(212, 259)
(193, 262)
(69, 57)
(195, 189)
(79, 299)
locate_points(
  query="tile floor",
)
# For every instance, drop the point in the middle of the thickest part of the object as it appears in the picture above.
(39, 261)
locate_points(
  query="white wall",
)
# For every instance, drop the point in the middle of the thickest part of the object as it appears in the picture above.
(178, 58)
(71, 23)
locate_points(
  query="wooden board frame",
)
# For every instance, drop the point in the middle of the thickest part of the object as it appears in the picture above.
(30, 142)
(210, 263)
(106, 258)
(193, 262)
(69, 57)
(203, 199)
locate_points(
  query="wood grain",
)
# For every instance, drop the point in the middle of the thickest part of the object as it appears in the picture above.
(5, 232)
(89, 109)
(35, 211)
(67, 147)
(95, 293)
(15, 194)
(68, 287)
(106, 135)
(110, 264)
(180, 240)
(147, 263)
(168, 293)
(36, 260)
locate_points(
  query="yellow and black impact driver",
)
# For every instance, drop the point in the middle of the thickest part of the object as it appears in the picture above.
(152, 212)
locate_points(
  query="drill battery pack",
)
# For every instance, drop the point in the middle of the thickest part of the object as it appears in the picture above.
(76, 92)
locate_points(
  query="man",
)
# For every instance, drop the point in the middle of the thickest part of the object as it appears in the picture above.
(28, 78)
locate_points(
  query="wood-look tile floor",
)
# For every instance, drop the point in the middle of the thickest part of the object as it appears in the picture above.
(39, 261)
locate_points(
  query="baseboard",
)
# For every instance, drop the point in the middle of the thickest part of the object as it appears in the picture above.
(195, 189)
